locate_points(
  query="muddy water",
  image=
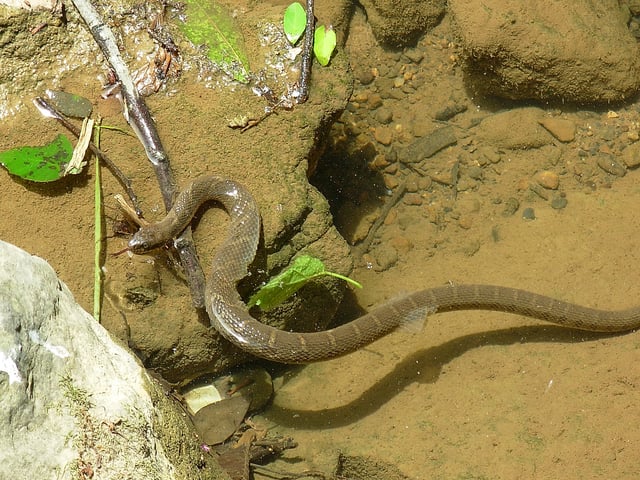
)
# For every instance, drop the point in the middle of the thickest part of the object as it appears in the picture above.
(474, 394)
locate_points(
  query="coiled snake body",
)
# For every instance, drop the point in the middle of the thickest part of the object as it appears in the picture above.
(230, 317)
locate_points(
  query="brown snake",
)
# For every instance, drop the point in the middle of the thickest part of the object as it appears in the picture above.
(230, 317)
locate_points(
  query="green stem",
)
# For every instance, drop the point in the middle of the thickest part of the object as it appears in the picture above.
(350, 281)
(97, 220)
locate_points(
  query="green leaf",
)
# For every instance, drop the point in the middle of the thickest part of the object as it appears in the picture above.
(210, 23)
(39, 164)
(324, 43)
(294, 23)
(282, 286)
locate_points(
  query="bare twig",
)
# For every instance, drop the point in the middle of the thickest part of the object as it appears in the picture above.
(139, 117)
(307, 54)
(362, 248)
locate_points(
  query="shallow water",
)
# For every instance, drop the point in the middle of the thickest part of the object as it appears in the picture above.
(475, 394)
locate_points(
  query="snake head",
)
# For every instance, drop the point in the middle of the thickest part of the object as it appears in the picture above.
(144, 240)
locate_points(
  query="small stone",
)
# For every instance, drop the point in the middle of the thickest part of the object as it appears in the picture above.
(563, 130)
(411, 184)
(547, 179)
(631, 155)
(475, 172)
(379, 162)
(443, 177)
(385, 258)
(390, 182)
(401, 244)
(609, 165)
(398, 82)
(374, 101)
(412, 199)
(511, 206)
(383, 135)
(365, 76)
(414, 54)
(465, 221)
(559, 202)
(384, 115)
(424, 183)
(528, 214)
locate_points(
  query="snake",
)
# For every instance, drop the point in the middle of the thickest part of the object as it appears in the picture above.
(231, 318)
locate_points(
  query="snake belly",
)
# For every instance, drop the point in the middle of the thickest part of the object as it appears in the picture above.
(229, 315)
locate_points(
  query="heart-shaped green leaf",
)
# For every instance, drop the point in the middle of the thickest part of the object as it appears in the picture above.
(294, 23)
(324, 43)
(39, 164)
(282, 286)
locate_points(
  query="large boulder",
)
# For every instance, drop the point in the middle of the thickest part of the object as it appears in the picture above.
(73, 403)
(562, 50)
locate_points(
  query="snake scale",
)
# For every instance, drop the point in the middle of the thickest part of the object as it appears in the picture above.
(230, 317)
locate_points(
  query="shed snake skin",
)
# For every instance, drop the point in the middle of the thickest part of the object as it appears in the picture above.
(229, 315)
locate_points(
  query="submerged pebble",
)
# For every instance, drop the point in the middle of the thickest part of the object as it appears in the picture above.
(528, 214)
(69, 104)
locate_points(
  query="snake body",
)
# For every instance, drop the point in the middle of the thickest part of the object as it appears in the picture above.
(230, 317)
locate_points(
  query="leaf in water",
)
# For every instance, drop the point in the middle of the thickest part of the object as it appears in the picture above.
(210, 23)
(282, 286)
(39, 164)
(294, 23)
(324, 43)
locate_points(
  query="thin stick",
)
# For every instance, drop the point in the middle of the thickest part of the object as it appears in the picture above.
(307, 54)
(138, 116)
(359, 250)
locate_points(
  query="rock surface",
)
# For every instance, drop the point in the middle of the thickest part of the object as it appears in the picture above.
(400, 22)
(563, 50)
(73, 403)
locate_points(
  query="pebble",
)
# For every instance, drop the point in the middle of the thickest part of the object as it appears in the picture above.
(465, 222)
(547, 179)
(401, 244)
(365, 75)
(374, 101)
(559, 202)
(443, 177)
(383, 135)
(511, 206)
(385, 258)
(384, 115)
(563, 130)
(412, 199)
(411, 183)
(631, 155)
(475, 172)
(528, 214)
(609, 165)
(390, 182)
(414, 54)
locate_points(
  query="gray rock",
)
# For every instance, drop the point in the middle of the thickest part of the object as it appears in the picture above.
(73, 403)
(565, 50)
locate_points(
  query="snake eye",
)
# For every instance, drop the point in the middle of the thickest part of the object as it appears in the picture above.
(138, 246)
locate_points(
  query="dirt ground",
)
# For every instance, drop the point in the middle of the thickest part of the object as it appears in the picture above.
(475, 395)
